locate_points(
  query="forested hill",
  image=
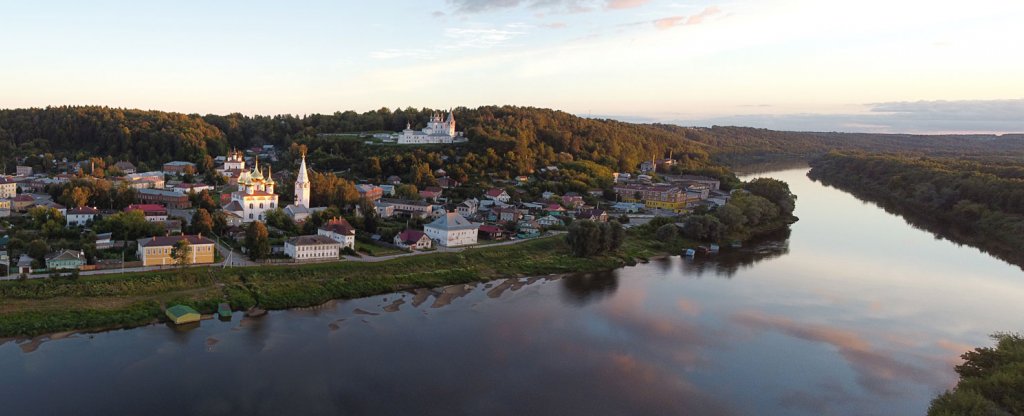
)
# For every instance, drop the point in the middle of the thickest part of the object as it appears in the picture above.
(522, 137)
(742, 145)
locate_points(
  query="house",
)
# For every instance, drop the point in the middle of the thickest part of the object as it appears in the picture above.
(8, 187)
(152, 212)
(661, 196)
(419, 209)
(596, 193)
(22, 202)
(179, 167)
(652, 165)
(81, 216)
(384, 210)
(452, 230)
(551, 221)
(447, 183)
(431, 193)
(554, 209)
(156, 251)
(65, 260)
(509, 214)
(394, 180)
(492, 232)
(103, 241)
(145, 180)
(125, 167)
(185, 188)
(312, 248)
(572, 201)
(389, 190)
(412, 240)
(596, 215)
(171, 199)
(370, 192)
(499, 195)
(712, 183)
(468, 208)
(24, 265)
(528, 229)
(23, 170)
(338, 229)
(5, 207)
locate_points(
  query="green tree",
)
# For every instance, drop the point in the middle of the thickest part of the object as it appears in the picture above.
(666, 232)
(181, 252)
(407, 191)
(991, 381)
(584, 238)
(775, 191)
(257, 240)
(38, 250)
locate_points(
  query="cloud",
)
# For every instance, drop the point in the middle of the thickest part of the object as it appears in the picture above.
(696, 19)
(555, 25)
(625, 4)
(483, 6)
(877, 372)
(462, 38)
(917, 117)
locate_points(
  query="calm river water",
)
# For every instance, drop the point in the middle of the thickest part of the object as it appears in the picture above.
(852, 313)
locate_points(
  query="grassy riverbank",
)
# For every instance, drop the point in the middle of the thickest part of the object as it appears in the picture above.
(35, 307)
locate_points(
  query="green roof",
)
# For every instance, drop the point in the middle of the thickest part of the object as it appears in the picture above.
(177, 311)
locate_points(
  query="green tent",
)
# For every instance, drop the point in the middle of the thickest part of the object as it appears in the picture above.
(181, 314)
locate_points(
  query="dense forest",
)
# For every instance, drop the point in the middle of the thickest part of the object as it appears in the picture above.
(991, 381)
(975, 202)
(505, 141)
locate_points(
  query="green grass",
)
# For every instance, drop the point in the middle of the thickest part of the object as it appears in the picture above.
(29, 308)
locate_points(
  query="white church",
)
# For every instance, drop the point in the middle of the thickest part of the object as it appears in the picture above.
(439, 130)
(255, 195)
(300, 210)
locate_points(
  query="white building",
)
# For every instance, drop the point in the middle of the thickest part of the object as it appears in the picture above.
(437, 131)
(255, 195)
(299, 211)
(80, 216)
(339, 230)
(8, 188)
(468, 208)
(312, 248)
(496, 194)
(452, 230)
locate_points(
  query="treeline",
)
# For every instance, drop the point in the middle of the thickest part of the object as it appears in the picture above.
(149, 138)
(991, 381)
(974, 202)
(744, 145)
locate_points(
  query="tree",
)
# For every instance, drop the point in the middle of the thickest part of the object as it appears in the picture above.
(407, 191)
(181, 252)
(76, 196)
(991, 381)
(202, 222)
(38, 249)
(666, 232)
(257, 240)
(703, 227)
(584, 238)
(277, 218)
(775, 191)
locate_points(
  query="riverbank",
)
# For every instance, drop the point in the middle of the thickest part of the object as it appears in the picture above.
(29, 308)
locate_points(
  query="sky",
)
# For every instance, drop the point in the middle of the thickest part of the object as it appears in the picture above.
(910, 66)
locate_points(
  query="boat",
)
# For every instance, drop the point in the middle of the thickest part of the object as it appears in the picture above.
(715, 248)
(224, 311)
(181, 314)
(690, 252)
(736, 244)
(703, 250)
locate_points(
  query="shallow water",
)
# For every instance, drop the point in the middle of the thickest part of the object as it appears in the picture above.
(853, 312)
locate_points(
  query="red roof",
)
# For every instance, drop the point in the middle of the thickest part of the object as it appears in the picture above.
(491, 229)
(339, 226)
(411, 236)
(83, 211)
(147, 208)
(495, 192)
(24, 198)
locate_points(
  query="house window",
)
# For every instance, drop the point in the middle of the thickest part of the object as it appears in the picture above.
(261, 205)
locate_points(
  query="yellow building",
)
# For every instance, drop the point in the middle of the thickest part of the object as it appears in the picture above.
(156, 251)
(660, 196)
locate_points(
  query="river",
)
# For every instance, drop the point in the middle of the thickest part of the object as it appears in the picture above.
(853, 312)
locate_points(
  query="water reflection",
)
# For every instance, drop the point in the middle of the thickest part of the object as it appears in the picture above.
(731, 260)
(811, 325)
(586, 288)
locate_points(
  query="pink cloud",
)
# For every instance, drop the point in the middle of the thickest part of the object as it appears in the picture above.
(696, 19)
(555, 25)
(625, 4)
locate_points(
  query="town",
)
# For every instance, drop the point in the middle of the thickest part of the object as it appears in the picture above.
(233, 213)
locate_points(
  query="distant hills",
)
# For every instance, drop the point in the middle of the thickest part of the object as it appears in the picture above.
(523, 137)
